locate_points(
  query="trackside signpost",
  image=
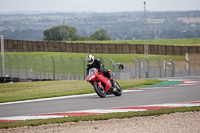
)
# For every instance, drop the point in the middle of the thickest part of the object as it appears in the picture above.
(2, 55)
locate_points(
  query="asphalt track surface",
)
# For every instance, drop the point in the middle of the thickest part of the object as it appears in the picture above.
(160, 95)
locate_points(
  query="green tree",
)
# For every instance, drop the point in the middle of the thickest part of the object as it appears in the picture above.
(100, 35)
(60, 33)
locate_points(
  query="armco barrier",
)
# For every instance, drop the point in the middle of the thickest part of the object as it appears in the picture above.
(39, 46)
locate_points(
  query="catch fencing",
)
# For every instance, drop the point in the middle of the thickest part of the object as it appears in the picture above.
(58, 68)
(47, 68)
(156, 69)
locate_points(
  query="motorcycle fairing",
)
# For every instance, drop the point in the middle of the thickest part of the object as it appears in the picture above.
(99, 77)
(105, 81)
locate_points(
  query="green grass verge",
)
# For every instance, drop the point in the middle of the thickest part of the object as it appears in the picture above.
(45, 89)
(97, 117)
(123, 58)
(175, 42)
(165, 83)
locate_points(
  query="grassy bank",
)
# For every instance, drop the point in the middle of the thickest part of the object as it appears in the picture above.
(46, 89)
(123, 58)
(97, 117)
(176, 42)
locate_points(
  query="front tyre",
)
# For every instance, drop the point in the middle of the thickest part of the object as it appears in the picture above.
(118, 92)
(100, 91)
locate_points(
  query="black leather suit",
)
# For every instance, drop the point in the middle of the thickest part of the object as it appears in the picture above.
(99, 65)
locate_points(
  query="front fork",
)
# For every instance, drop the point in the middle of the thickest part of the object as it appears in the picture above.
(99, 83)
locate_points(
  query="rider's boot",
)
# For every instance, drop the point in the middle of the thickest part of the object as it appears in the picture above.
(112, 82)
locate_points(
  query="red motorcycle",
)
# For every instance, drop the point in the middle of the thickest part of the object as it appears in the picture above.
(102, 84)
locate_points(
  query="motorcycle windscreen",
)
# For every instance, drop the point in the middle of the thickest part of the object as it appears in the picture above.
(91, 71)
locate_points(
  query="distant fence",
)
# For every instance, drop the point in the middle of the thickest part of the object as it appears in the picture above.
(42, 46)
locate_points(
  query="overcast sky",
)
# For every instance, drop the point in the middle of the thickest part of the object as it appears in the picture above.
(97, 5)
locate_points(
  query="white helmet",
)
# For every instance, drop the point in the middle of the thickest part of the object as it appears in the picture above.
(90, 59)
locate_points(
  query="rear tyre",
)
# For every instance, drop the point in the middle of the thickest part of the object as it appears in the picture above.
(100, 91)
(118, 92)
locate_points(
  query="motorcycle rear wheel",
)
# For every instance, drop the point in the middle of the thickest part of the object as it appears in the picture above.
(118, 92)
(100, 91)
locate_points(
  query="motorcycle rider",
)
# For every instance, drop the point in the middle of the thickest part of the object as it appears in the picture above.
(97, 63)
(8, 79)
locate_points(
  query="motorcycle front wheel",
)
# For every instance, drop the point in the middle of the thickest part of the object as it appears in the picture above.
(100, 91)
(118, 92)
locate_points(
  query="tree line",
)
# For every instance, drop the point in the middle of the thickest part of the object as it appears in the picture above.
(68, 33)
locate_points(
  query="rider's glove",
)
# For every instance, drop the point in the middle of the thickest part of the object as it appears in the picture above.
(101, 69)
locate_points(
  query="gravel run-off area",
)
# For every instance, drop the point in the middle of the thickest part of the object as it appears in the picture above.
(188, 122)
